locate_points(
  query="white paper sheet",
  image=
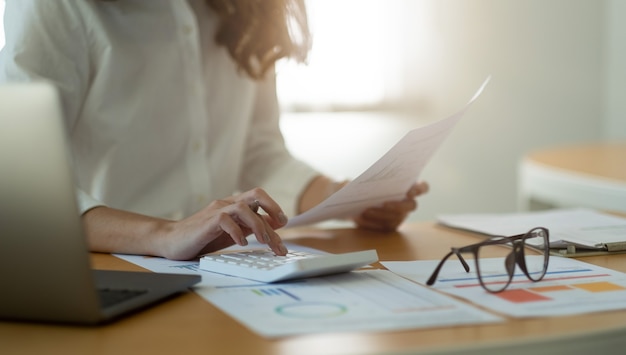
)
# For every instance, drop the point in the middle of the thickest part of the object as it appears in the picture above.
(390, 177)
(569, 287)
(367, 300)
(375, 300)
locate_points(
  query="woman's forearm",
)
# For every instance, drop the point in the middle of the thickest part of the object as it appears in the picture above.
(110, 230)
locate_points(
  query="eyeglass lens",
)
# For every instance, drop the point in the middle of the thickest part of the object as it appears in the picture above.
(496, 274)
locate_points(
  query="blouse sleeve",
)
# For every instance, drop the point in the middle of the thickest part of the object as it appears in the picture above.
(268, 162)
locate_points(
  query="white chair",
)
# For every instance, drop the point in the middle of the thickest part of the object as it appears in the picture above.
(592, 175)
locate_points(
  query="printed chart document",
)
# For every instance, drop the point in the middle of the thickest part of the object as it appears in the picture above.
(569, 287)
(579, 227)
(390, 177)
(367, 300)
(374, 300)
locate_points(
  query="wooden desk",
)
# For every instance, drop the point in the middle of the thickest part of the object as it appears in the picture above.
(589, 175)
(189, 325)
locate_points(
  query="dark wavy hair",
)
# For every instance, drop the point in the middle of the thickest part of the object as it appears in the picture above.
(257, 33)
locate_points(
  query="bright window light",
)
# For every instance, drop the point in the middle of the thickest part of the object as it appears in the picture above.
(367, 54)
(347, 61)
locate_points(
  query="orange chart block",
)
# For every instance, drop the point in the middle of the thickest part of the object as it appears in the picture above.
(600, 287)
(521, 296)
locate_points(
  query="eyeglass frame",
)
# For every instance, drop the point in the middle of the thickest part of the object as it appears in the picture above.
(516, 241)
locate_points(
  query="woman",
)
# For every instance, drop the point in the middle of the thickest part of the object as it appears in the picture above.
(171, 105)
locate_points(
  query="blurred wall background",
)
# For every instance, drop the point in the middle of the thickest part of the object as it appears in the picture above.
(558, 72)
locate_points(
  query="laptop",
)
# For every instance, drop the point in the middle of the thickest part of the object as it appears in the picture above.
(44, 260)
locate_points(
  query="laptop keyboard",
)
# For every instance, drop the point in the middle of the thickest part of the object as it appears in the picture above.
(110, 297)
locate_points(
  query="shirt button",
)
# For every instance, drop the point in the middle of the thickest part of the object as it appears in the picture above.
(195, 146)
(187, 29)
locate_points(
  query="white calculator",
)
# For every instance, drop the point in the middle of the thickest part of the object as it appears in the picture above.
(264, 266)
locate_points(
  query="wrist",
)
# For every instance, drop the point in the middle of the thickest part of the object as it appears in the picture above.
(162, 236)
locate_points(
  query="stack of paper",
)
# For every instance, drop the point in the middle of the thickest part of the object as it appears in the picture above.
(581, 228)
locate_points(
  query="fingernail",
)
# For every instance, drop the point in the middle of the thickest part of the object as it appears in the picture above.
(282, 248)
(244, 241)
(282, 218)
(266, 237)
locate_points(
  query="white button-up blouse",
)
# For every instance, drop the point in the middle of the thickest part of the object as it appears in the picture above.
(159, 118)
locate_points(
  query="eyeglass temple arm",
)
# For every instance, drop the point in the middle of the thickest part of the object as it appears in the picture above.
(497, 239)
(433, 277)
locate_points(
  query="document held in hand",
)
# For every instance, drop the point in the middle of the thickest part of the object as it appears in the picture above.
(390, 177)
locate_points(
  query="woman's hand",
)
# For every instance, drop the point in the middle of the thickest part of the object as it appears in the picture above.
(219, 225)
(384, 218)
(224, 223)
(391, 214)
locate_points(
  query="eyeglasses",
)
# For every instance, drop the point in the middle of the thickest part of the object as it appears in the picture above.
(496, 276)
